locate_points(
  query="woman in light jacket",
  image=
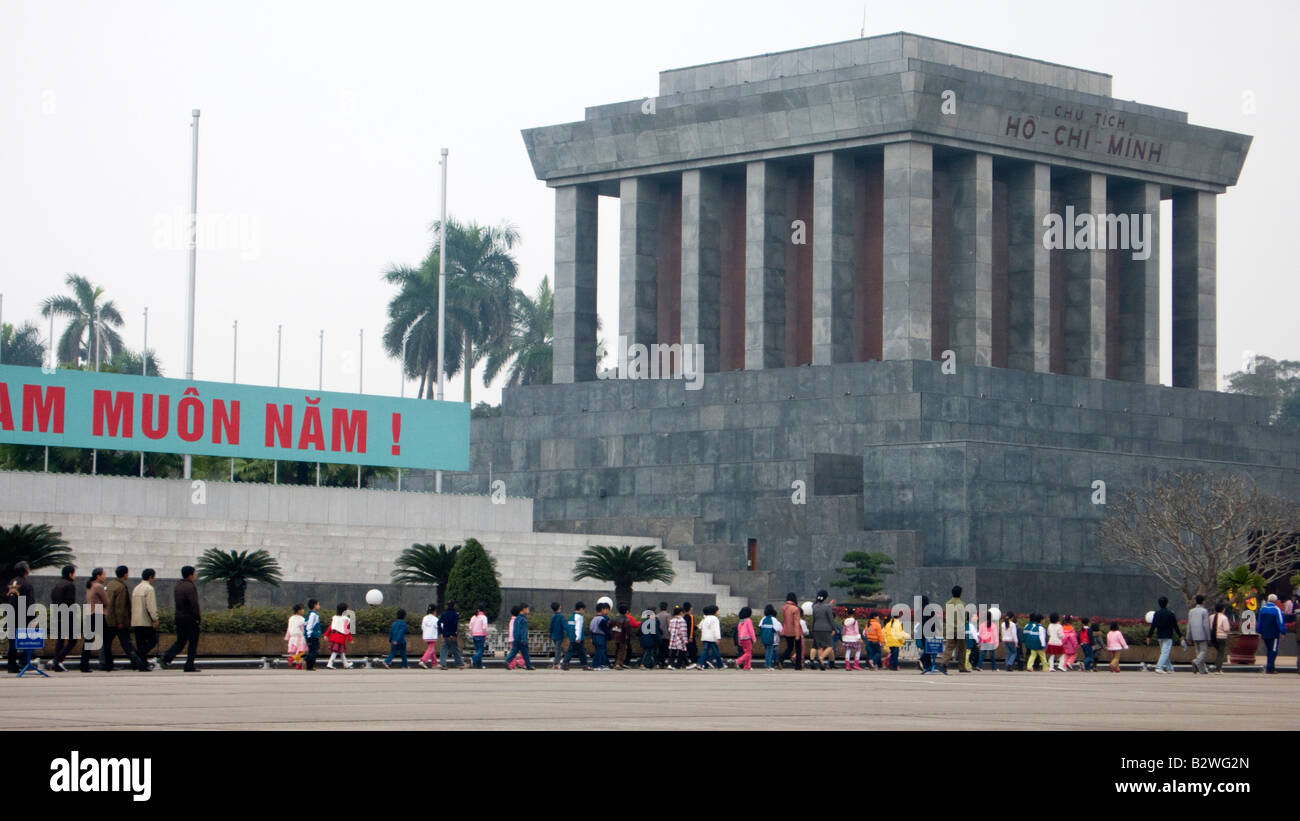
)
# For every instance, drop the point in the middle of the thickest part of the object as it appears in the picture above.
(1010, 639)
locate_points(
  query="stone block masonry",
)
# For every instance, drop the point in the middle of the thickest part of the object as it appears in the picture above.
(325, 539)
(982, 477)
(894, 195)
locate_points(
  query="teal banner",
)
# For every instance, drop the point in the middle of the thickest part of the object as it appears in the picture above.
(109, 411)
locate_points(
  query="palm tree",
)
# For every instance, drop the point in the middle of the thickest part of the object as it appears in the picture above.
(415, 308)
(237, 569)
(128, 361)
(80, 310)
(529, 344)
(426, 564)
(481, 271)
(38, 545)
(624, 567)
(21, 345)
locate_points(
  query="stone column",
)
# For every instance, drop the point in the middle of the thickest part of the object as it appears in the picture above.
(575, 284)
(702, 263)
(1085, 282)
(908, 249)
(833, 241)
(1139, 285)
(766, 235)
(638, 260)
(1195, 349)
(1029, 199)
(971, 266)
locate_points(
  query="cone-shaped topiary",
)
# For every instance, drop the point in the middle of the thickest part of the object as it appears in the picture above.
(474, 580)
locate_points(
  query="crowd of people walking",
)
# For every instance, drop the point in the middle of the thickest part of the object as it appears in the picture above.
(795, 636)
(130, 618)
(809, 636)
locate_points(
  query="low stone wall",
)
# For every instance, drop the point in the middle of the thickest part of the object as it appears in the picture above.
(332, 543)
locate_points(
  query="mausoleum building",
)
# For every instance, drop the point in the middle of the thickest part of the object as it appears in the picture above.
(925, 282)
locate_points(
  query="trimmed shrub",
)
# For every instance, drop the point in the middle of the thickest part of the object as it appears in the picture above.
(474, 580)
(242, 620)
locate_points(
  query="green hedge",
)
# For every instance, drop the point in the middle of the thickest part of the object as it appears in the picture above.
(370, 620)
(377, 621)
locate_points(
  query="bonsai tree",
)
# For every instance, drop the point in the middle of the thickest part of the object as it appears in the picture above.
(474, 580)
(426, 564)
(237, 569)
(624, 566)
(1242, 587)
(865, 575)
(1187, 529)
(38, 545)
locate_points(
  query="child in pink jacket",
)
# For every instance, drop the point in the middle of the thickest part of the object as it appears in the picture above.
(1116, 644)
(988, 642)
(1069, 644)
(745, 638)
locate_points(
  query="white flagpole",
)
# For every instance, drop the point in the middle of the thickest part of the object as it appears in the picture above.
(279, 338)
(442, 296)
(361, 371)
(234, 377)
(54, 363)
(94, 453)
(144, 369)
(189, 290)
(320, 385)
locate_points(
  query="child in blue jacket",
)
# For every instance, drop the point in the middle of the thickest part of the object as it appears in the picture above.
(397, 640)
(519, 639)
(770, 633)
(557, 629)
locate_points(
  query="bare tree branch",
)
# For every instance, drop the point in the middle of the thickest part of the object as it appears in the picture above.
(1187, 528)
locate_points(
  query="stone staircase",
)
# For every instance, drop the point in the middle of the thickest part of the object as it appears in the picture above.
(316, 534)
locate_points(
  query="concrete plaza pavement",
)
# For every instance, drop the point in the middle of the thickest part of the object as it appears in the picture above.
(643, 700)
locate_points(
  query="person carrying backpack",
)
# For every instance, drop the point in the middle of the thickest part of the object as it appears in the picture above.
(649, 636)
(557, 629)
(1035, 642)
(600, 633)
(574, 628)
(875, 636)
(448, 628)
(620, 637)
(1086, 644)
(770, 633)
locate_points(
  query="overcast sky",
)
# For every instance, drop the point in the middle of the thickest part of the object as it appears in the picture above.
(321, 124)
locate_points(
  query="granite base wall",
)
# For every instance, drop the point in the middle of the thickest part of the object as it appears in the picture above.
(989, 469)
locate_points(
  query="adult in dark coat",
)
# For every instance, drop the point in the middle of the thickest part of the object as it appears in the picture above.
(187, 620)
(63, 595)
(20, 591)
(117, 624)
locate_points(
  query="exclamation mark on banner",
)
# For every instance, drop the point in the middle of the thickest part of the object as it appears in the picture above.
(397, 434)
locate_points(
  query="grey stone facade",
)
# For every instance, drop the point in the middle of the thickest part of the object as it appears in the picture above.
(923, 171)
(983, 477)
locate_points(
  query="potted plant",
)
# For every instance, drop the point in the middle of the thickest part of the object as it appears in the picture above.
(1241, 587)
